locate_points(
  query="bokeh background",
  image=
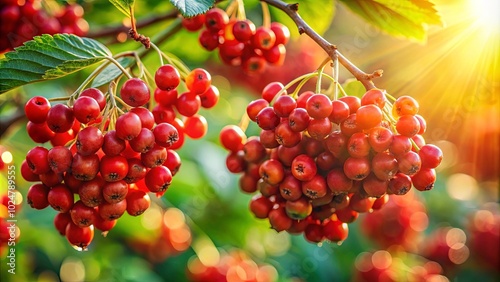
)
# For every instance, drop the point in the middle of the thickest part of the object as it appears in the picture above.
(204, 217)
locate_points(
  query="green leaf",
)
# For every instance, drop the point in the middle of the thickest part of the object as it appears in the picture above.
(48, 57)
(318, 14)
(191, 8)
(354, 88)
(406, 18)
(112, 71)
(123, 6)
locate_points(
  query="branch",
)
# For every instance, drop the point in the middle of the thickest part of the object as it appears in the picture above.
(292, 11)
(6, 122)
(115, 29)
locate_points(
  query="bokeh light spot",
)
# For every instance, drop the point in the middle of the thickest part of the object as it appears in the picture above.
(462, 186)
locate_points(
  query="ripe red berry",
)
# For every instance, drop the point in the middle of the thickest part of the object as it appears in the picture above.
(216, 19)
(60, 198)
(270, 91)
(368, 116)
(340, 111)
(135, 92)
(194, 23)
(82, 215)
(36, 109)
(79, 237)
(319, 106)
(279, 219)
(210, 97)
(128, 126)
(195, 126)
(405, 105)
(113, 168)
(37, 160)
(114, 192)
(137, 202)
(272, 171)
(232, 138)
(264, 38)
(188, 104)
(89, 140)
(243, 30)
(165, 134)
(374, 96)
(281, 32)
(97, 95)
(430, 155)
(158, 179)
(167, 77)
(260, 206)
(303, 168)
(37, 196)
(60, 118)
(86, 109)
(198, 81)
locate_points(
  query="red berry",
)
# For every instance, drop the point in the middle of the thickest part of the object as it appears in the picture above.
(79, 237)
(264, 38)
(167, 77)
(97, 95)
(36, 109)
(37, 196)
(135, 92)
(198, 81)
(319, 106)
(128, 126)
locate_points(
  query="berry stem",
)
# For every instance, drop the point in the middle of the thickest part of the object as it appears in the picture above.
(320, 74)
(159, 52)
(292, 11)
(266, 16)
(245, 121)
(336, 77)
(124, 71)
(58, 99)
(414, 145)
(241, 10)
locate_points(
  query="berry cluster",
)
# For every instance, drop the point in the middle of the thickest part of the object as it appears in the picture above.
(401, 222)
(317, 163)
(171, 237)
(239, 42)
(22, 20)
(110, 157)
(233, 266)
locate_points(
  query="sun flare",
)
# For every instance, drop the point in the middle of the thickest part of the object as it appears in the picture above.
(486, 13)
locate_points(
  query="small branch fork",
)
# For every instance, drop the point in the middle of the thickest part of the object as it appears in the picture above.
(292, 11)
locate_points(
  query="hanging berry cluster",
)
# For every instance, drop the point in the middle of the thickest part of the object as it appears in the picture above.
(238, 40)
(109, 151)
(319, 161)
(22, 20)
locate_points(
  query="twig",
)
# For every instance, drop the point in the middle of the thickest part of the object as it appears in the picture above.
(292, 11)
(6, 122)
(116, 29)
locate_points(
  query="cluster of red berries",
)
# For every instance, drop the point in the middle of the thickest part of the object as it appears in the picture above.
(318, 163)
(22, 20)
(401, 222)
(239, 42)
(235, 266)
(115, 156)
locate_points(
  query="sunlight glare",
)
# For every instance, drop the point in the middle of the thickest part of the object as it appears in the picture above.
(486, 13)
